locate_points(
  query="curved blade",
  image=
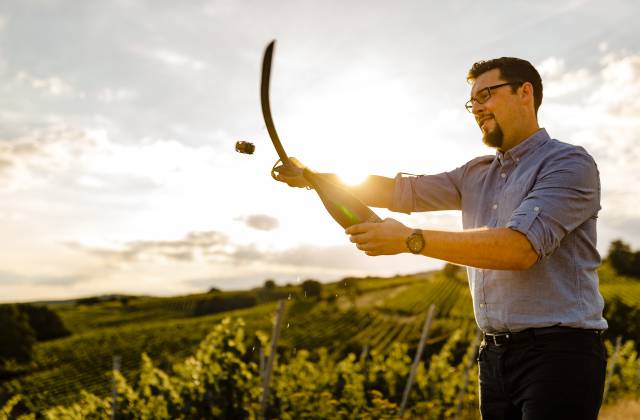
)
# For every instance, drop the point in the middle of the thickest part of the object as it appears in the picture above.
(266, 107)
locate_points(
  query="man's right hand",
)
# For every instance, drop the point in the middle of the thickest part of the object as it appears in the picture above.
(291, 174)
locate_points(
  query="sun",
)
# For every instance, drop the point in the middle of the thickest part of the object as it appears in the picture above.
(352, 176)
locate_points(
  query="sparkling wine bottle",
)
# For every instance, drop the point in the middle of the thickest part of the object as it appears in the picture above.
(343, 206)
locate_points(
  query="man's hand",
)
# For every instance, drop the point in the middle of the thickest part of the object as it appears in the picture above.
(291, 174)
(385, 238)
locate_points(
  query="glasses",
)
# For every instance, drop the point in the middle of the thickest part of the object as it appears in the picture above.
(485, 94)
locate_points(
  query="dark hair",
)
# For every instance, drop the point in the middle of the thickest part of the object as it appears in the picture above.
(511, 70)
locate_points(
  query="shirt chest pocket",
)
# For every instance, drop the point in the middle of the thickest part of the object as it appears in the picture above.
(511, 198)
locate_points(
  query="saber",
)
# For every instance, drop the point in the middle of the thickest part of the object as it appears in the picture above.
(266, 107)
(343, 206)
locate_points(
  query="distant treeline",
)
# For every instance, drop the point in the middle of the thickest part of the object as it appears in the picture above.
(625, 261)
(21, 325)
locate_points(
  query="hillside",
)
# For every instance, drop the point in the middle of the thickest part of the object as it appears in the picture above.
(351, 316)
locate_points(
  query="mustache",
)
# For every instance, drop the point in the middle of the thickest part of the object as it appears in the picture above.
(483, 118)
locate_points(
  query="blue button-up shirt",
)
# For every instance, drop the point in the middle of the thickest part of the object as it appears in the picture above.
(549, 191)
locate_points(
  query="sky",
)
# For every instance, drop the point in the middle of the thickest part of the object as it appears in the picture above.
(118, 121)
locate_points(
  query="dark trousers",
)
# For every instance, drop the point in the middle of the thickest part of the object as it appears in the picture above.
(552, 376)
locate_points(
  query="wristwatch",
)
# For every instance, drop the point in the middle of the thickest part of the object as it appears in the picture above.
(415, 242)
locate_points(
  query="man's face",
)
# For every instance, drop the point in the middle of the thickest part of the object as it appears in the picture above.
(496, 113)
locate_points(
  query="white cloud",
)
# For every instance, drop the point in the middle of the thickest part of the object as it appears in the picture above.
(607, 123)
(29, 160)
(558, 82)
(260, 221)
(177, 59)
(619, 93)
(3, 22)
(552, 67)
(50, 155)
(218, 8)
(109, 95)
(53, 85)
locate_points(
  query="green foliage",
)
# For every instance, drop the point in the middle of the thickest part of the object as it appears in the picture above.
(623, 319)
(61, 368)
(88, 407)
(311, 288)
(453, 271)
(449, 292)
(438, 386)
(8, 411)
(623, 260)
(382, 312)
(16, 335)
(222, 380)
(222, 303)
(46, 323)
(93, 300)
(625, 378)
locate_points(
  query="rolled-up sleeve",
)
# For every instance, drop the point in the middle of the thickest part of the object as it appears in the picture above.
(427, 192)
(564, 196)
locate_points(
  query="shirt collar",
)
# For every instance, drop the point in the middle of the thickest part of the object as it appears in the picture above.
(525, 147)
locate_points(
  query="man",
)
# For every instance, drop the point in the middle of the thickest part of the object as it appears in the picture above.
(529, 241)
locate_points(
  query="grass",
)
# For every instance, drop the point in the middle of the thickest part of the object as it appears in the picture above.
(625, 409)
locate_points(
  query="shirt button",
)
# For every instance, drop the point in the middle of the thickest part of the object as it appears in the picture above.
(503, 175)
(495, 206)
(536, 208)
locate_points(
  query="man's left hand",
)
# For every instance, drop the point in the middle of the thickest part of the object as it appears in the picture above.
(384, 238)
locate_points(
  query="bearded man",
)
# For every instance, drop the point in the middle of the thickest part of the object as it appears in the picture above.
(529, 216)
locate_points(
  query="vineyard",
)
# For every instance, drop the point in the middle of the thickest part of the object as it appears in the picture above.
(363, 325)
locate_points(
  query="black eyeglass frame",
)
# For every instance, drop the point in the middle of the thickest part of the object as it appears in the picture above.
(469, 104)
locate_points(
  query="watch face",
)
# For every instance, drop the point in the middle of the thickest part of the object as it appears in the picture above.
(416, 242)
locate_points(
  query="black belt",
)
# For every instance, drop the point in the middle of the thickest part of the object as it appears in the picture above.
(500, 339)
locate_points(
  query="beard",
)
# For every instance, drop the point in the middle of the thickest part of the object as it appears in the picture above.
(494, 138)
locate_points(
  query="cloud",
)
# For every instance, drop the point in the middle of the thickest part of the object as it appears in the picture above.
(29, 159)
(558, 82)
(176, 59)
(212, 247)
(193, 246)
(607, 123)
(261, 222)
(109, 95)
(9, 279)
(53, 85)
(619, 93)
(60, 154)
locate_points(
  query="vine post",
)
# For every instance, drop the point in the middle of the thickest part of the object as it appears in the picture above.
(114, 389)
(275, 335)
(416, 359)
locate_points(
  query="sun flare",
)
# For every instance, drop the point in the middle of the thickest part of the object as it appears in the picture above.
(352, 177)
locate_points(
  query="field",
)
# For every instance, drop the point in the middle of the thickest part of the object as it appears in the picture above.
(356, 316)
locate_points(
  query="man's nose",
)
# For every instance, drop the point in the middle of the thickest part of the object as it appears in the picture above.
(477, 108)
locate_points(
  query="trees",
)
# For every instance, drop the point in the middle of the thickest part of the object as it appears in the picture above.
(312, 288)
(623, 260)
(22, 325)
(46, 323)
(16, 335)
(623, 319)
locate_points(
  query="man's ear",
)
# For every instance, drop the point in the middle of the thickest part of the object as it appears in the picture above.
(526, 91)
